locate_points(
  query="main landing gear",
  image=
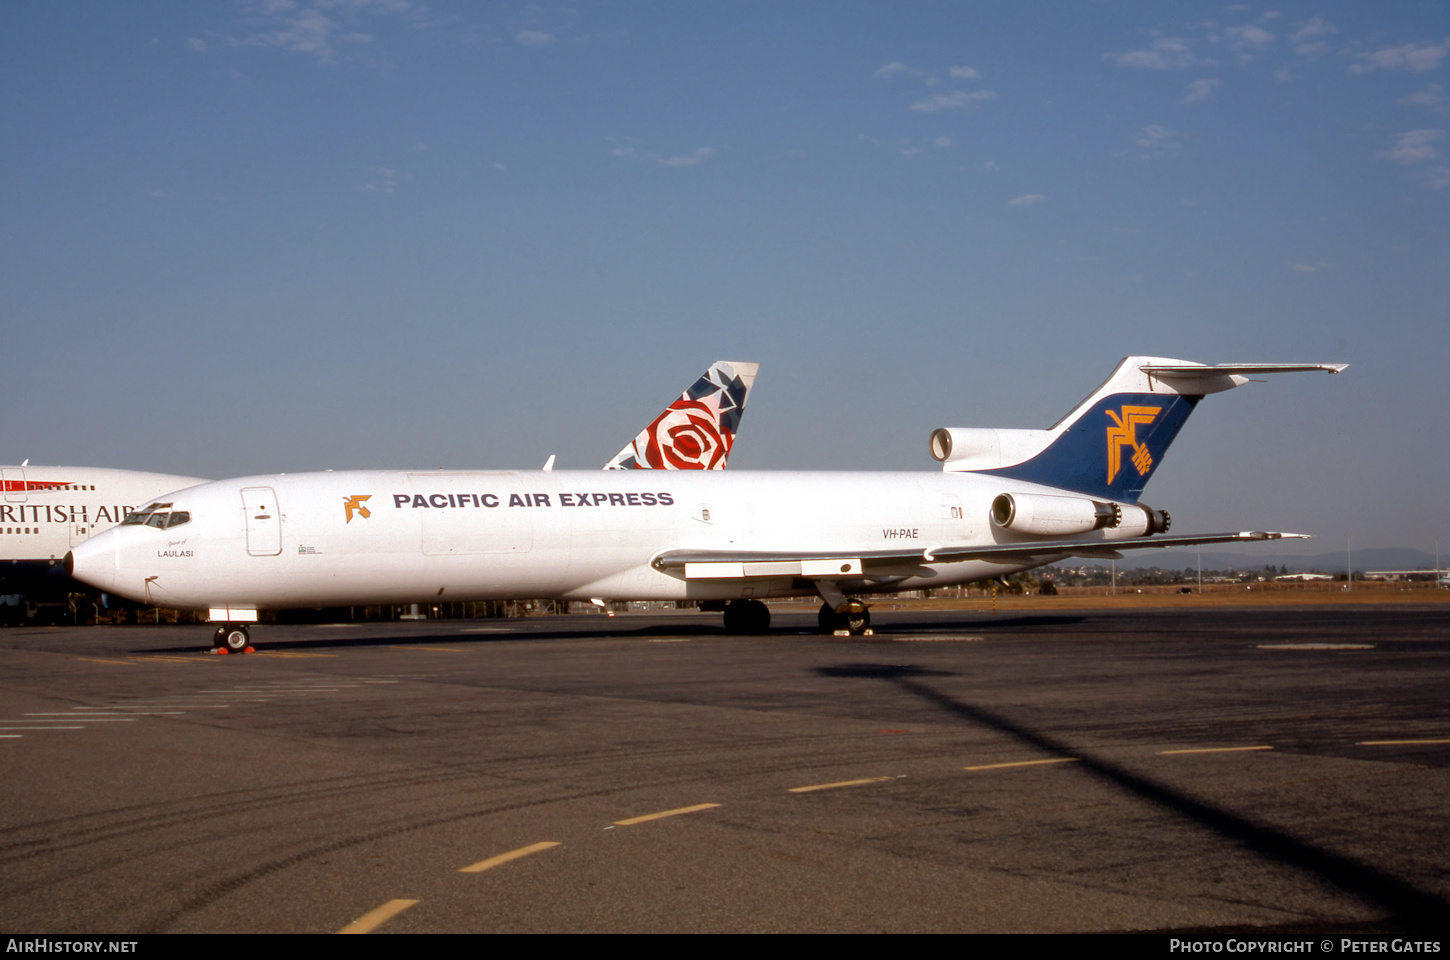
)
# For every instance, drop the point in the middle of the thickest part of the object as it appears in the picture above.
(746, 616)
(851, 616)
(232, 638)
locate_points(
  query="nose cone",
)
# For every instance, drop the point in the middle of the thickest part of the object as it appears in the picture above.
(94, 561)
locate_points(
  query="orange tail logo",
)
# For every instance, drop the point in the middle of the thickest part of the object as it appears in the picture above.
(349, 504)
(1125, 434)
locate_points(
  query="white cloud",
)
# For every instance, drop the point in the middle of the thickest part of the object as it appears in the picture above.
(1431, 96)
(1419, 57)
(698, 157)
(960, 100)
(990, 166)
(1416, 146)
(385, 182)
(1027, 200)
(1159, 139)
(941, 143)
(1302, 268)
(308, 32)
(1436, 178)
(1250, 38)
(964, 73)
(1310, 39)
(1200, 90)
(313, 32)
(1163, 53)
(196, 43)
(534, 38)
(896, 70)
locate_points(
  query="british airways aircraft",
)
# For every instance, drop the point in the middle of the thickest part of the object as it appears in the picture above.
(1006, 500)
(44, 511)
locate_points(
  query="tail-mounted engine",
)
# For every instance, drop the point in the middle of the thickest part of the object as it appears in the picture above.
(1048, 516)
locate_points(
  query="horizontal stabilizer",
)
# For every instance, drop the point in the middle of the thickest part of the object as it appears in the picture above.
(1201, 371)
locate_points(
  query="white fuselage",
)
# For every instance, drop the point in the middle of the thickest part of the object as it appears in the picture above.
(368, 537)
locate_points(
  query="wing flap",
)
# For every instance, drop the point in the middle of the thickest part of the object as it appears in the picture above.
(841, 565)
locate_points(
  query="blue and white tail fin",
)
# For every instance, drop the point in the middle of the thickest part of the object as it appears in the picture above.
(697, 431)
(1111, 443)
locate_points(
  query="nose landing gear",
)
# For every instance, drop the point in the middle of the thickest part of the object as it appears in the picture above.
(232, 638)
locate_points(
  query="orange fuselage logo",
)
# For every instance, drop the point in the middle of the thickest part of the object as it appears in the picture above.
(350, 504)
(1125, 434)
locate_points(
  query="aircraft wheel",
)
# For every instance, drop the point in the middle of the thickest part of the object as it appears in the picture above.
(759, 616)
(857, 621)
(827, 619)
(219, 639)
(235, 639)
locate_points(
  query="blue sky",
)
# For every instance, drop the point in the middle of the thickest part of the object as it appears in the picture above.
(266, 236)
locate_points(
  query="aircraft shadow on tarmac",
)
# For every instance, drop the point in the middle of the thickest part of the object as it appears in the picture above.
(1406, 904)
(499, 630)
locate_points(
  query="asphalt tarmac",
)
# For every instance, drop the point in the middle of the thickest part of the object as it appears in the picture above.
(1232, 769)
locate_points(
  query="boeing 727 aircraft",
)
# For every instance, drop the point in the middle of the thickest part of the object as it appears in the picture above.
(47, 510)
(1006, 500)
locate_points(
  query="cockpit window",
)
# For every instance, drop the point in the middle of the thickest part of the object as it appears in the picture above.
(158, 515)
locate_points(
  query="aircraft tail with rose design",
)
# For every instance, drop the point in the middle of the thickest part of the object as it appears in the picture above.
(697, 431)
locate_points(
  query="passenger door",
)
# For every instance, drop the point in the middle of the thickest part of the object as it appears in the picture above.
(264, 521)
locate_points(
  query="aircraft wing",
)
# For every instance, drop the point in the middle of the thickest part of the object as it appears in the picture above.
(837, 564)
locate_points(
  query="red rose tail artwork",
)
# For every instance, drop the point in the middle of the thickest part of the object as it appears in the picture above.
(697, 430)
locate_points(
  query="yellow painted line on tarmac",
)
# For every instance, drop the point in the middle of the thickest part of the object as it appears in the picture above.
(678, 811)
(1169, 753)
(189, 660)
(373, 919)
(1397, 743)
(839, 783)
(503, 858)
(1022, 763)
(431, 649)
(289, 655)
(120, 663)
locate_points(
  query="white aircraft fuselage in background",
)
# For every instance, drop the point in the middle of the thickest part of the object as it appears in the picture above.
(1006, 500)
